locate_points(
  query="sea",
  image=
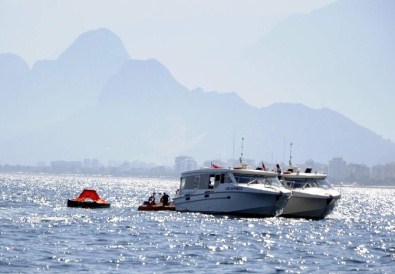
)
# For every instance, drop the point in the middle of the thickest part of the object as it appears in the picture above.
(39, 233)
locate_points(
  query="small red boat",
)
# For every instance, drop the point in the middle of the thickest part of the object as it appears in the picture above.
(151, 205)
(88, 199)
(156, 207)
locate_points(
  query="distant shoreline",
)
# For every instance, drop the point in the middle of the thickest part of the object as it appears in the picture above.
(390, 185)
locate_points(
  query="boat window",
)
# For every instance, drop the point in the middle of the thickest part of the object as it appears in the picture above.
(211, 181)
(296, 184)
(255, 179)
(220, 178)
(301, 183)
(191, 182)
(201, 181)
(313, 183)
(205, 181)
(274, 181)
(182, 183)
(243, 178)
(324, 184)
(227, 178)
(288, 184)
(196, 182)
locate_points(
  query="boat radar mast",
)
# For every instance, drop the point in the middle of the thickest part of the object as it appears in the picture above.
(241, 154)
(290, 155)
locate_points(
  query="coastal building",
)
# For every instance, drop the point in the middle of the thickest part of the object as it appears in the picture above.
(184, 163)
(92, 164)
(383, 172)
(357, 172)
(316, 166)
(337, 170)
(66, 166)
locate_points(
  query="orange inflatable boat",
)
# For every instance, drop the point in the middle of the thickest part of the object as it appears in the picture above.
(156, 207)
(88, 199)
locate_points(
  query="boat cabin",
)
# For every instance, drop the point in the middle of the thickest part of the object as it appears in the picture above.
(204, 180)
(212, 178)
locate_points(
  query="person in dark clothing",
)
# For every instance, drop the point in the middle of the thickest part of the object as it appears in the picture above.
(165, 199)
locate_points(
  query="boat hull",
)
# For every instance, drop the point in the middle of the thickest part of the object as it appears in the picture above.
(233, 203)
(156, 207)
(86, 204)
(309, 207)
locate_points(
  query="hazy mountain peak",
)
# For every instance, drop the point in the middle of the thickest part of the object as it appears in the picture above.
(96, 44)
(98, 50)
(138, 77)
(12, 64)
(74, 81)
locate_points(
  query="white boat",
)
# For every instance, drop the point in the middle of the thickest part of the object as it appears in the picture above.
(231, 191)
(313, 197)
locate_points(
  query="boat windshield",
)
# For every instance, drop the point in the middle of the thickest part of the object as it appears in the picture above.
(324, 184)
(256, 179)
(306, 183)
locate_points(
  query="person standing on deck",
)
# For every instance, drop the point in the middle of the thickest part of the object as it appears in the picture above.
(165, 199)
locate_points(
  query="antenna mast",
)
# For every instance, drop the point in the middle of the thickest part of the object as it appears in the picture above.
(233, 152)
(290, 155)
(241, 154)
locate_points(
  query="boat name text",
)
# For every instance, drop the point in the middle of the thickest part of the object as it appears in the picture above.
(234, 188)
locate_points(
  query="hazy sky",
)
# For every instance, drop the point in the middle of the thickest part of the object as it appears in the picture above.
(201, 41)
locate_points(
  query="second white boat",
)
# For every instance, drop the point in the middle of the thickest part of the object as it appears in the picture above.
(313, 197)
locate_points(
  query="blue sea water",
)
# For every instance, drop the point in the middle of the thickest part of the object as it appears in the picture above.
(38, 233)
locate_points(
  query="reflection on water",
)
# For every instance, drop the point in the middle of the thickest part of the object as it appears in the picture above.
(38, 232)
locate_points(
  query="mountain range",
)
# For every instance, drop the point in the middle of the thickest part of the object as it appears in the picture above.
(95, 101)
(340, 55)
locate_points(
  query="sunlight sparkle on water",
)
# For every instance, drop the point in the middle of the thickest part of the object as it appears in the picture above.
(39, 232)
